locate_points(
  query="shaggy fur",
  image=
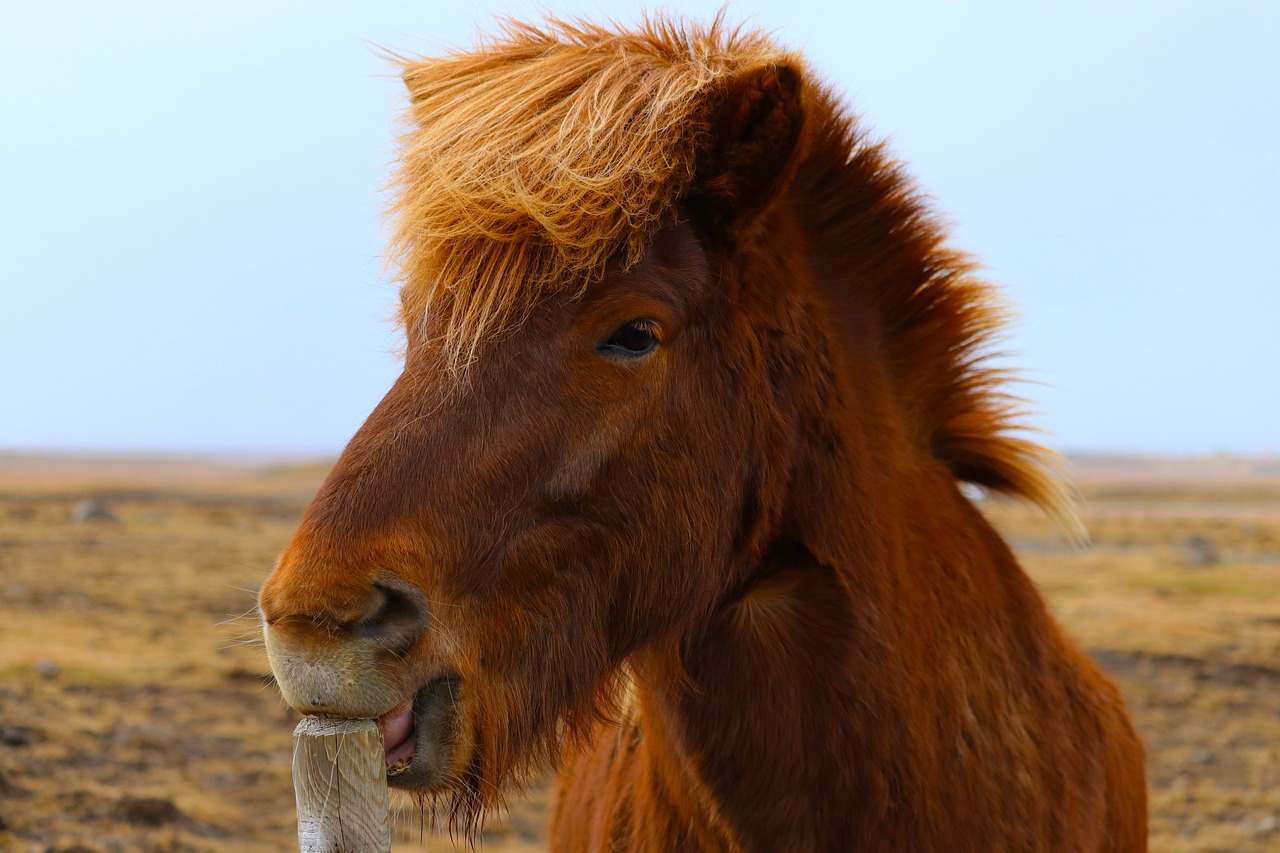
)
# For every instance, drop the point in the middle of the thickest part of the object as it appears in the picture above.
(533, 161)
(732, 586)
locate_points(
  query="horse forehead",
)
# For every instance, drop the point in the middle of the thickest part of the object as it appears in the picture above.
(675, 269)
(678, 247)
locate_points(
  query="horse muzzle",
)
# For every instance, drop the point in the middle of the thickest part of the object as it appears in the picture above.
(367, 659)
(421, 725)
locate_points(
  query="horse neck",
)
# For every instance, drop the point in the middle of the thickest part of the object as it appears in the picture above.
(813, 709)
(799, 725)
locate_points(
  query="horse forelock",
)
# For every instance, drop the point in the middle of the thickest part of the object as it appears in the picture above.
(534, 160)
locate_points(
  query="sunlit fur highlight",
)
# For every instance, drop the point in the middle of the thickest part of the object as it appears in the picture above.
(535, 158)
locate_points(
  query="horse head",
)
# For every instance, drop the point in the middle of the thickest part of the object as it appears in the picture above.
(580, 459)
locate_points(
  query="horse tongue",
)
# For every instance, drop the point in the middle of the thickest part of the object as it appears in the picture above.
(397, 733)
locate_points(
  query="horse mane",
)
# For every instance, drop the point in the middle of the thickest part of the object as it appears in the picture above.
(938, 320)
(536, 158)
(539, 156)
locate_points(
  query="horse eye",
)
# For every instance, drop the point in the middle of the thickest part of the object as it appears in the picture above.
(632, 339)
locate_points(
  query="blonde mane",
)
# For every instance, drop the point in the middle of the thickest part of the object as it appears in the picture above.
(542, 154)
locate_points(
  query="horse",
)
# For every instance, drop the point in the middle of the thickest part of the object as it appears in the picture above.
(674, 495)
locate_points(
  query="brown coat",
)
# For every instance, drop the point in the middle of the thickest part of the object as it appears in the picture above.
(670, 489)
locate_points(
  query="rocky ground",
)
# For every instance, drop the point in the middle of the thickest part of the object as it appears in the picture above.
(137, 713)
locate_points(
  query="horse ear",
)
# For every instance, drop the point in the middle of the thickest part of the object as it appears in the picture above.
(754, 143)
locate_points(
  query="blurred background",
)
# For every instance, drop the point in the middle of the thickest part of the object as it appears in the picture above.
(195, 316)
(191, 229)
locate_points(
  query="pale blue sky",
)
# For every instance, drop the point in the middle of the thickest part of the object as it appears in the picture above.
(190, 233)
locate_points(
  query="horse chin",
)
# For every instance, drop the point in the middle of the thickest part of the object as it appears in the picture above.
(437, 720)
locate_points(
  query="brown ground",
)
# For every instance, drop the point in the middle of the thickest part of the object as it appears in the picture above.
(136, 713)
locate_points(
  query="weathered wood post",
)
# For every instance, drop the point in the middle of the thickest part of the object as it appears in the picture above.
(340, 780)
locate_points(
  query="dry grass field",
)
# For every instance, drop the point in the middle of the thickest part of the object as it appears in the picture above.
(136, 713)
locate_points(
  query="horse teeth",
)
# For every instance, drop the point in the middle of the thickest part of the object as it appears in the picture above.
(399, 767)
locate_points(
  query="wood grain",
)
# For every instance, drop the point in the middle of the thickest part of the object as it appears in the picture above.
(340, 780)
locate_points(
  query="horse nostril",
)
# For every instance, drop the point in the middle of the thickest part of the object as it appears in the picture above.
(397, 615)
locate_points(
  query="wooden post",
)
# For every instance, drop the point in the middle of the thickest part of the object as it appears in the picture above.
(340, 780)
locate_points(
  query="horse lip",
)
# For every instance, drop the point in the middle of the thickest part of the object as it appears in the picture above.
(398, 734)
(435, 721)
